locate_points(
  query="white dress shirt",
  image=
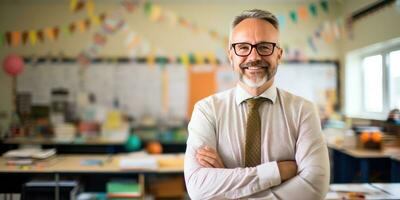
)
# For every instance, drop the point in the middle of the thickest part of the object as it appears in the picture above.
(290, 130)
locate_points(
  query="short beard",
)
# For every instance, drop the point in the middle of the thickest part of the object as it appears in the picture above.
(259, 82)
(253, 84)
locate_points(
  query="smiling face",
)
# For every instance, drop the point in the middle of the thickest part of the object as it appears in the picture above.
(255, 70)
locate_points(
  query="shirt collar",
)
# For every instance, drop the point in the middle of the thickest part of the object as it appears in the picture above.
(243, 95)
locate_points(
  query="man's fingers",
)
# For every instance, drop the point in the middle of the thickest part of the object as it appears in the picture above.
(210, 156)
(207, 153)
(204, 163)
(211, 161)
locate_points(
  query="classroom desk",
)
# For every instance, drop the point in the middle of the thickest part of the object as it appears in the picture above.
(395, 169)
(346, 161)
(65, 166)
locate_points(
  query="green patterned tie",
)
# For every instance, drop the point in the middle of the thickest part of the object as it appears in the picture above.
(253, 133)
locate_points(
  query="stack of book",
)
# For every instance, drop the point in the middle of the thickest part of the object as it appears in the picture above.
(27, 156)
(123, 189)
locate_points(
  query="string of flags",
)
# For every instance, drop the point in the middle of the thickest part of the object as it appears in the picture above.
(33, 37)
(327, 32)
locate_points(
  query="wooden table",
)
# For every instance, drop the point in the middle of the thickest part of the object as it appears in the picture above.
(66, 165)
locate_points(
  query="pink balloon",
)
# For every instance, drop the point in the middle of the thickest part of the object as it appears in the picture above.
(13, 64)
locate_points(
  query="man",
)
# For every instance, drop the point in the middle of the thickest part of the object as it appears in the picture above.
(255, 141)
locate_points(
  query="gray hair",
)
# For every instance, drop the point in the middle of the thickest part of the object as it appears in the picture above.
(257, 14)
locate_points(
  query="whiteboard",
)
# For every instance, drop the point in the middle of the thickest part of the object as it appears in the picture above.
(308, 80)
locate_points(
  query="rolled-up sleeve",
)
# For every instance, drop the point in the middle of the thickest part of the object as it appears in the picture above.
(312, 181)
(220, 183)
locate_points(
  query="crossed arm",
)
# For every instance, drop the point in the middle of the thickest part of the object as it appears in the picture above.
(207, 178)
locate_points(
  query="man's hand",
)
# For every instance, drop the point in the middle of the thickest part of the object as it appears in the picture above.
(287, 169)
(208, 157)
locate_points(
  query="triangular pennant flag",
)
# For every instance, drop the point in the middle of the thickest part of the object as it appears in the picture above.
(324, 5)
(65, 30)
(155, 13)
(303, 13)
(87, 24)
(56, 31)
(281, 21)
(213, 34)
(73, 4)
(293, 16)
(81, 25)
(8, 38)
(171, 59)
(25, 35)
(32, 37)
(95, 19)
(102, 17)
(313, 9)
(151, 59)
(199, 59)
(162, 61)
(192, 59)
(16, 38)
(129, 5)
(72, 28)
(147, 8)
(183, 22)
(40, 36)
(90, 7)
(211, 58)
(99, 39)
(185, 61)
(49, 33)
(79, 6)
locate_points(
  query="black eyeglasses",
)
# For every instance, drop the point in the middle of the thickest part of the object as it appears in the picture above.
(244, 49)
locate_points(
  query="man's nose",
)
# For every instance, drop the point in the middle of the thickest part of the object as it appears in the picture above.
(253, 55)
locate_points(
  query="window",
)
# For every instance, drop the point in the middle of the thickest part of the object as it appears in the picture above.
(394, 78)
(372, 82)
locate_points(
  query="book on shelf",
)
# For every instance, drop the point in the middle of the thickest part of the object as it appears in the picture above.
(123, 189)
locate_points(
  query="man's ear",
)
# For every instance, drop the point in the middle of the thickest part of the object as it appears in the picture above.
(230, 56)
(280, 55)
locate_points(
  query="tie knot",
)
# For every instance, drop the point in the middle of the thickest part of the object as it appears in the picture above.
(254, 103)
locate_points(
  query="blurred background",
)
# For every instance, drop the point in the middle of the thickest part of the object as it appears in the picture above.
(104, 77)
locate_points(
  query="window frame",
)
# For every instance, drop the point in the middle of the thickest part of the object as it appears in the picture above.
(386, 86)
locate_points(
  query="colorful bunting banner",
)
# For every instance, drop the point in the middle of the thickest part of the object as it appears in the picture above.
(17, 38)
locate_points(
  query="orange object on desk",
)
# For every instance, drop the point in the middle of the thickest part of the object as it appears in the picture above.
(154, 148)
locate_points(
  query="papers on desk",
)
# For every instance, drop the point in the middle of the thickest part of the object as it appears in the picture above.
(138, 160)
(30, 153)
(351, 191)
(142, 160)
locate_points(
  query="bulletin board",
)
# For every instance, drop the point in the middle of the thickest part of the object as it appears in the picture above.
(143, 90)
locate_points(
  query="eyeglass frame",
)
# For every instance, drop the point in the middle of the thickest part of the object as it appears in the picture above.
(255, 47)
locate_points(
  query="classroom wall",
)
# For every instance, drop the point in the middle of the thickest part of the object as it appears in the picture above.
(166, 38)
(377, 27)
